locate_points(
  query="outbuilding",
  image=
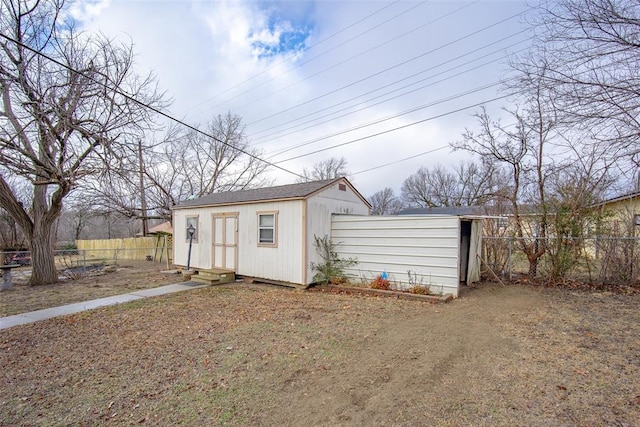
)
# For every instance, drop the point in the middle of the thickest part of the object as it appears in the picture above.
(439, 252)
(266, 233)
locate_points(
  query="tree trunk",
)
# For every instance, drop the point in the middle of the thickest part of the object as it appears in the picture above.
(46, 210)
(43, 264)
(533, 267)
(39, 230)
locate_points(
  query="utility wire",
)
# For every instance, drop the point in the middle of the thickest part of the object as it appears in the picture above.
(393, 129)
(154, 109)
(433, 150)
(277, 135)
(376, 73)
(255, 134)
(442, 147)
(353, 57)
(394, 116)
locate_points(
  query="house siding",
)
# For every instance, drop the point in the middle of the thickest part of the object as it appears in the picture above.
(319, 210)
(426, 246)
(273, 263)
(298, 220)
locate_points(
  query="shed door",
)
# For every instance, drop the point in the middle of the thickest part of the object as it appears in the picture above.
(225, 241)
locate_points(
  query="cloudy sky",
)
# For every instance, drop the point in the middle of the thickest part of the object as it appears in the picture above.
(385, 84)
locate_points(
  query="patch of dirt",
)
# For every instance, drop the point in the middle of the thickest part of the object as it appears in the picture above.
(95, 282)
(262, 355)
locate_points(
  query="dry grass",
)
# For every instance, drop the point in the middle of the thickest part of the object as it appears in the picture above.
(258, 355)
(126, 277)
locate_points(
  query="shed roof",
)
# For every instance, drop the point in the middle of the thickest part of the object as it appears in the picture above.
(442, 210)
(281, 192)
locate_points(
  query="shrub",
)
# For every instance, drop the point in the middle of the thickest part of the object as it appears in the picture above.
(380, 283)
(331, 270)
(419, 290)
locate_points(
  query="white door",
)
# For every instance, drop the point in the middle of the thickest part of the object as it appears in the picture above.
(225, 241)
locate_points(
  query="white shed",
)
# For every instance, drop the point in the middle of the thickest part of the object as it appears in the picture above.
(265, 233)
(439, 251)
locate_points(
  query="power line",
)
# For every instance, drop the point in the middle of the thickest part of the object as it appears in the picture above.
(405, 62)
(353, 57)
(393, 129)
(144, 105)
(273, 134)
(433, 150)
(384, 165)
(394, 116)
(378, 103)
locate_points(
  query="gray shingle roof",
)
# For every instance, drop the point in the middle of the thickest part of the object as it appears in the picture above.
(290, 191)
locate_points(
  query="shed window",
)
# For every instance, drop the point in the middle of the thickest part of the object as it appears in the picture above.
(267, 228)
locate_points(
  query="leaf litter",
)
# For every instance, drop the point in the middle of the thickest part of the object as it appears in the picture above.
(263, 355)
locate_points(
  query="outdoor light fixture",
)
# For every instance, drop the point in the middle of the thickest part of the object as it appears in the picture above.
(190, 232)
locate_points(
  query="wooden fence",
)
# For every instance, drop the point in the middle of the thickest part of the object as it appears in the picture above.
(154, 248)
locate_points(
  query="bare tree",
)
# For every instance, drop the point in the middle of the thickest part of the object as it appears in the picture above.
(588, 53)
(220, 163)
(64, 116)
(326, 169)
(385, 202)
(524, 150)
(185, 163)
(430, 187)
(469, 184)
(572, 193)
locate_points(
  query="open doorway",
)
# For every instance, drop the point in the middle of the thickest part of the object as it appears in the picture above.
(465, 246)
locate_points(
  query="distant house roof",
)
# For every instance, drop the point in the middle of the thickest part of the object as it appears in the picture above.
(165, 227)
(442, 210)
(281, 192)
(628, 196)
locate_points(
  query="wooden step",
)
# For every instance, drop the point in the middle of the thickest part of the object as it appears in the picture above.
(214, 277)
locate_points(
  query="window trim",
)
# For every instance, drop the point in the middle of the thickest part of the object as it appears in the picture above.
(274, 243)
(195, 221)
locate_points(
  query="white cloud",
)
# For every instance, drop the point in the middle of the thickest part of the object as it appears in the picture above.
(214, 57)
(88, 10)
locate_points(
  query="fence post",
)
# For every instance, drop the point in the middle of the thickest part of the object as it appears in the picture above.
(510, 260)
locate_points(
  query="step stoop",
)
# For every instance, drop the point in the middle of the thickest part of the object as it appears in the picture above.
(214, 277)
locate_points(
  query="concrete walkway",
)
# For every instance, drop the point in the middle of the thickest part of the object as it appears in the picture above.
(48, 313)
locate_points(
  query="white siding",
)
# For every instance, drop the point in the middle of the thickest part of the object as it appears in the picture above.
(320, 209)
(282, 263)
(276, 263)
(199, 256)
(298, 221)
(426, 246)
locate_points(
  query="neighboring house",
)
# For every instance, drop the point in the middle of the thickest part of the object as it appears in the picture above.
(621, 215)
(265, 233)
(163, 228)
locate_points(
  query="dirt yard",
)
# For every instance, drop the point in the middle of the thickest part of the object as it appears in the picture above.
(260, 355)
(128, 276)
